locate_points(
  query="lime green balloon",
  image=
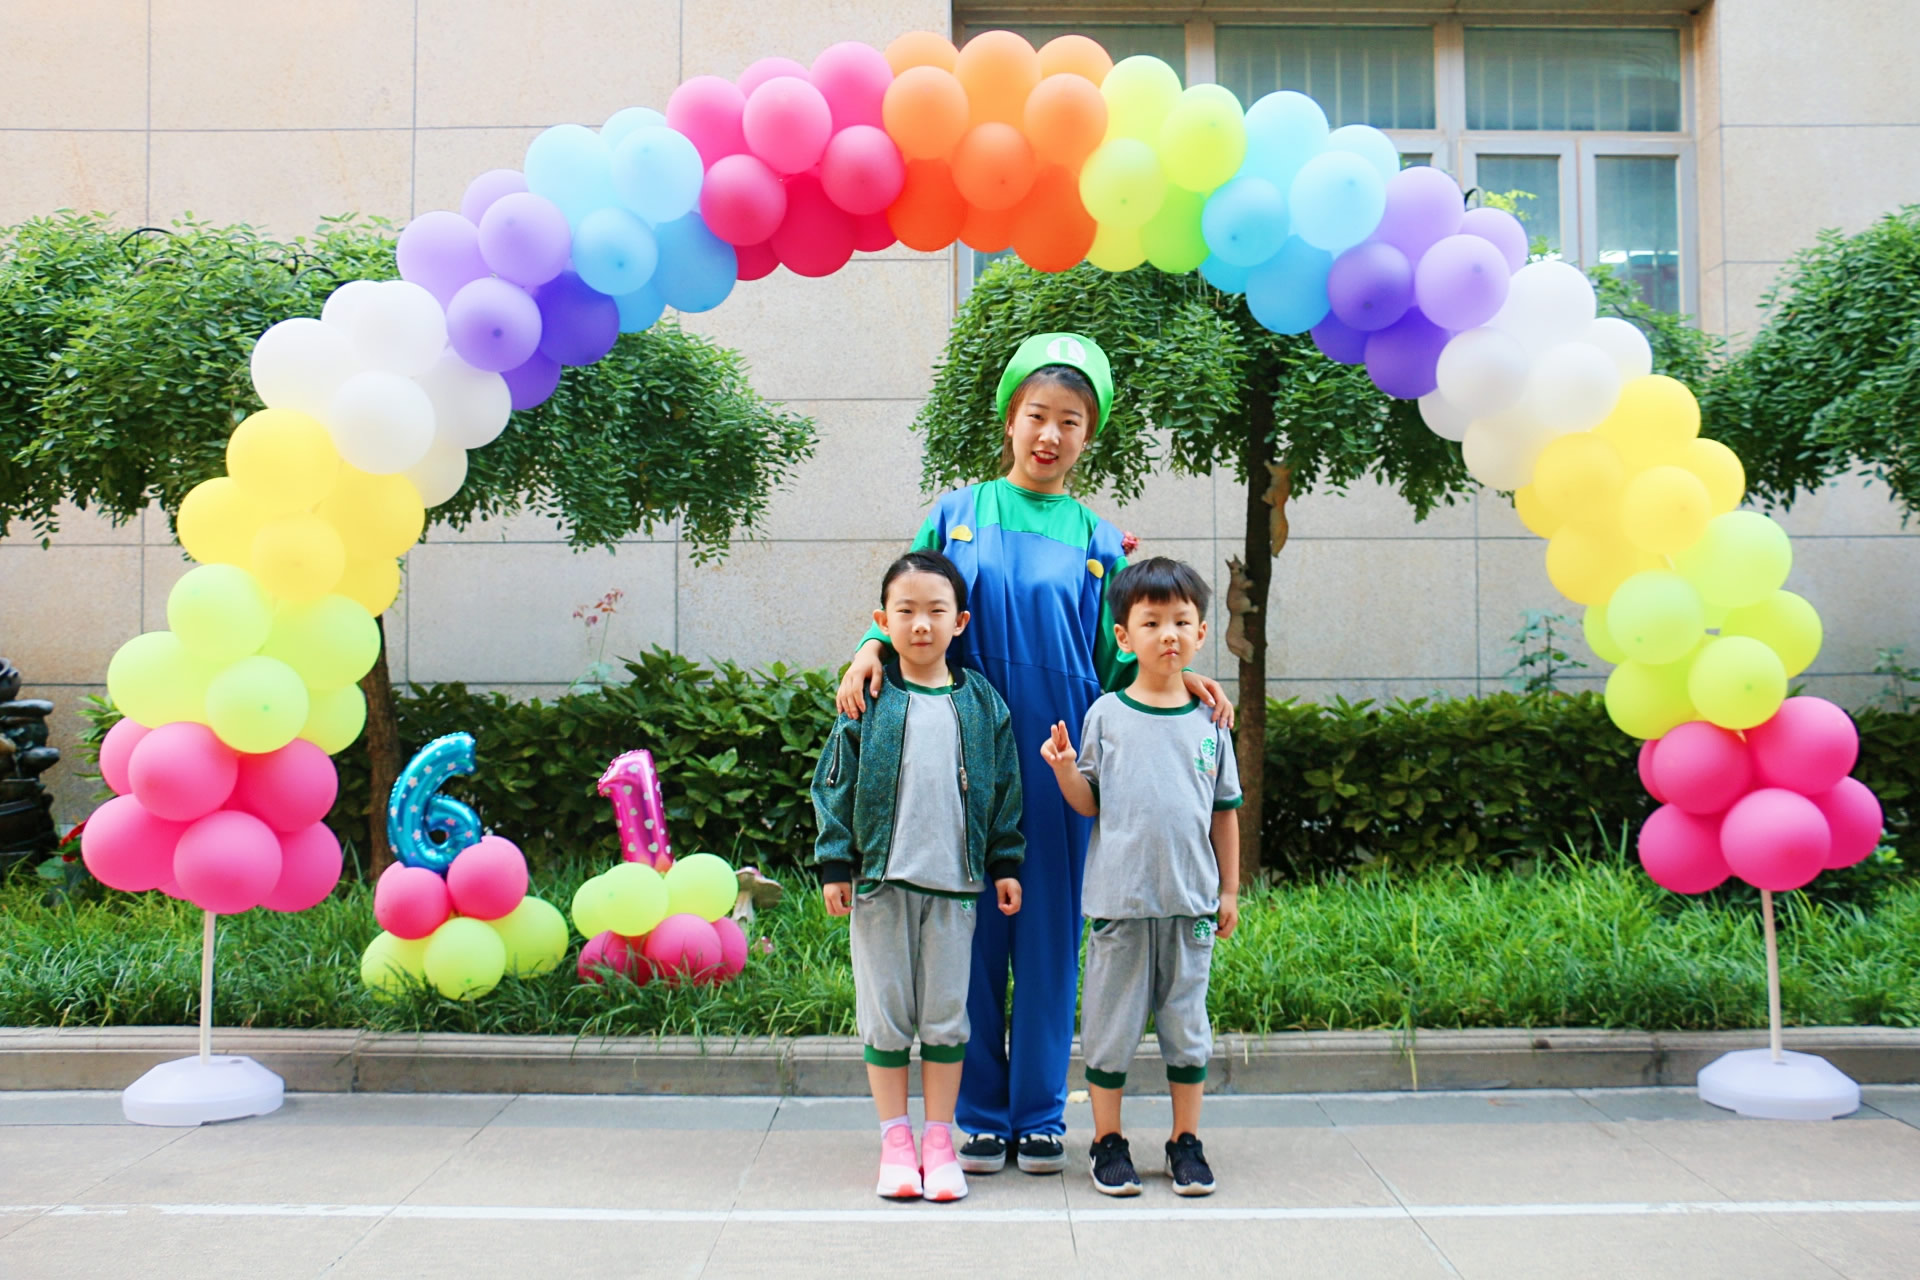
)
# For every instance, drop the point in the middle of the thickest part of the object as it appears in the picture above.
(1737, 682)
(535, 936)
(1647, 701)
(1741, 559)
(257, 704)
(1656, 617)
(1121, 185)
(1141, 92)
(637, 898)
(1204, 138)
(155, 680)
(1785, 623)
(331, 642)
(593, 907)
(335, 718)
(1172, 240)
(703, 885)
(390, 965)
(219, 612)
(1594, 624)
(465, 959)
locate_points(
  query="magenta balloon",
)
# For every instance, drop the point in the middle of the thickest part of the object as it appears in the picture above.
(525, 238)
(1370, 286)
(1775, 839)
(872, 233)
(1500, 229)
(1853, 816)
(684, 945)
(440, 252)
(1402, 358)
(1424, 206)
(1339, 341)
(488, 879)
(115, 749)
(816, 239)
(533, 381)
(1461, 282)
(757, 261)
(227, 862)
(1808, 746)
(733, 948)
(766, 69)
(1645, 764)
(742, 201)
(487, 188)
(853, 78)
(289, 789)
(578, 324)
(707, 110)
(310, 863)
(862, 171)
(1702, 768)
(410, 902)
(1681, 851)
(182, 771)
(611, 951)
(493, 325)
(127, 848)
(788, 124)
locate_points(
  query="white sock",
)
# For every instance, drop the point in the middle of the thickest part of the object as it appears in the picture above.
(888, 1125)
(931, 1125)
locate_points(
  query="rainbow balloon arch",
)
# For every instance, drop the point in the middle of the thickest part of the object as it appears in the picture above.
(1063, 156)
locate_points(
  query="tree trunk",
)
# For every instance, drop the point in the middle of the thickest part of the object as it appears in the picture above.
(1252, 578)
(383, 755)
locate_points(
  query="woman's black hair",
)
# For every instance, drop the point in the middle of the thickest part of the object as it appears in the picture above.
(926, 562)
(1064, 376)
(1157, 579)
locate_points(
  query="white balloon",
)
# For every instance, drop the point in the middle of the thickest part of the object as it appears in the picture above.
(298, 364)
(1444, 418)
(381, 422)
(1548, 303)
(344, 304)
(470, 406)
(1500, 454)
(439, 475)
(1573, 388)
(1625, 344)
(399, 328)
(1484, 371)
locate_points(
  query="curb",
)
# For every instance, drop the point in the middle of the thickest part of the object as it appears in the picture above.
(830, 1066)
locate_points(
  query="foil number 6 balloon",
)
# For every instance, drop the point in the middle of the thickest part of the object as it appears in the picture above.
(633, 785)
(417, 813)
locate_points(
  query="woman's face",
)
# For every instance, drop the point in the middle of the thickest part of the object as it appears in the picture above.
(1048, 431)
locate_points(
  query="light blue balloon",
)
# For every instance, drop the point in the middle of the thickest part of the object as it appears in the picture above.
(416, 811)
(1337, 201)
(614, 252)
(1225, 276)
(1284, 131)
(1244, 222)
(572, 166)
(697, 268)
(657, 174)
(641, 309)
(1288, 293)
(624, 121)
(1371, 145)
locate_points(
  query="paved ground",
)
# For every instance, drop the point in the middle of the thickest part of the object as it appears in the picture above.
(1562, 1184)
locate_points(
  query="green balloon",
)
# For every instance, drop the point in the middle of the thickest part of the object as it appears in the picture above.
(593, 907)
(638, 898)
(1594, 624)
(1740, 560)
(702, 885)
(257, 705)
(465, 959)
(1656, 617)
(219, 612)
(1172, 240)
(155, 680)
(1737, 682)
(1204, 138)
(1785, 623)
(331, 642)
(535, 936)
(1121, 185)
(1647, 701)
(390, 965)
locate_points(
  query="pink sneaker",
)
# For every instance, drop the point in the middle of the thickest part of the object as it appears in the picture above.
(899, 1168)
(944, 1180)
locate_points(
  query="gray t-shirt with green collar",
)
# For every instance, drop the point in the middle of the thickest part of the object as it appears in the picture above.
(1159, 774)
(929, 846)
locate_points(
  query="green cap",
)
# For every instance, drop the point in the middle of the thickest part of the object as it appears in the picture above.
(1074, 350)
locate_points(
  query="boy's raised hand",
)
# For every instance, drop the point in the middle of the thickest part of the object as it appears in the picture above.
(1058, 750)
(838, 897)
(1008, 891)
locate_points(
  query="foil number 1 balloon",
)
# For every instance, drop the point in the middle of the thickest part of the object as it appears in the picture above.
(425, 828)
(633, 785)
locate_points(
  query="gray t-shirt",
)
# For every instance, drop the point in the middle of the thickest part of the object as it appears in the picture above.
(1159, 773)
(929, 848)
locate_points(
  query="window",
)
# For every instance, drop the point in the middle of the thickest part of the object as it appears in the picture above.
(1534, 182)
(1613, 81)
(1382, 76)
(1637, 223)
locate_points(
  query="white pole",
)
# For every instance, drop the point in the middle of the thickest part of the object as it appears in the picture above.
(206, 990)
(1773, 974)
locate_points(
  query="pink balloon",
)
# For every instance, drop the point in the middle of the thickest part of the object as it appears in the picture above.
(227, 862)
(862, 171)
(707, 110)
(487, 880)
(1775, 839)
(733, 948)
(127, 848)
(1681, 851)
(757, 262)
(1808, 746)
(742, 200)
(816, 237)
(289, 789)
(611, 951)
(683, 947)
(1853, 816)
(116, 749)
(182, 771)
(1702, 768)
(787, 123)
(1500, 229)
(873, 233)
(1645, 763)
(853, 78)
(411, 902)
(310, 865)
(767, 69)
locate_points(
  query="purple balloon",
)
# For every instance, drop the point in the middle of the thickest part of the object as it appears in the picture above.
(578, 324)
(1461, 282)
(1502, 230)
(440, 252)
(1424, 206)
(532, 382)
(487, 188)
(1339, 341)
(493, 325)
(525, 238)
(1370, 286)
(1402, 357)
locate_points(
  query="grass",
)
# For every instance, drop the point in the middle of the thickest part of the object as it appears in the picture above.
(1577, 944)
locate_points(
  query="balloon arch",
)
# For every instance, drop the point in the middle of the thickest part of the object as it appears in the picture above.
(1062, 155)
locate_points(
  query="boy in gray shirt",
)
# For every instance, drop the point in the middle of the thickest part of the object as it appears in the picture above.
(1158, 778)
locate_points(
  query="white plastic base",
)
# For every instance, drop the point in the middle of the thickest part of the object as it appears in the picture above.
(187, 1091)
(1801, 1086)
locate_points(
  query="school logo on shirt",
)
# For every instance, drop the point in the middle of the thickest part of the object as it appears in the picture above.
(1209, 755)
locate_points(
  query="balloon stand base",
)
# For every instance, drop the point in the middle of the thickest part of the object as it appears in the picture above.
(189, 1091)
(1800, 1086)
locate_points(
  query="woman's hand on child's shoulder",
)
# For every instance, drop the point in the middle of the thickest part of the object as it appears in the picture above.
(1210, 692)
(1058, 750)
(1008, 891)
(863, 679)
(838, 897)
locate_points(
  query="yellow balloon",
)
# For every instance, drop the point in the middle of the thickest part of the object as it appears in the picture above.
(1785, 623)
(283, 459)
(335, 718)
(1204, 138)
(390, 965)
(1649, 702)
(257, 705)
(637, 898)
(702, 885)
(217, 522)
(1652, 421)
(219, 612)
(1719, 469)
(331, 642)
(1141, 92)
(1665, 509)
(1121, 184)
(465, 959)
(1585, 566)
(535, 935)
(378, 517)
(1741, 559)
(1579, 477)
(593, 907)
(155, 679)
(1116, 248)
(374, 583)
(298, 557)
(1533, 510)
(1737, 682)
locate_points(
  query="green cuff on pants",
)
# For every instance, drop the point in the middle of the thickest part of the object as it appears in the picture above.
(1107, 1079)
(943, 1052)
(884, 1057)
(1187, 1075)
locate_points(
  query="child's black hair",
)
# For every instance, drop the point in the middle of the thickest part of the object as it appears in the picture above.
(1159, 580)
(1067, 378)
(926, 562)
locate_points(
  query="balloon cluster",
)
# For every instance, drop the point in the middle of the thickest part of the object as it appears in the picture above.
(639, 922)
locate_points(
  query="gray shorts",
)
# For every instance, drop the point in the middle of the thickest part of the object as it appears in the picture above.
(1137, 967)
(912, 958)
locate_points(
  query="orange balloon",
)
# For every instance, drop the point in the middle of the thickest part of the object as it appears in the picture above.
(987, 230)
(921, 49)
(925, 112)
(1052, 230)
(1075, 55)
(999, 70)
(994, 166)
(1066, 118)
(929, 212)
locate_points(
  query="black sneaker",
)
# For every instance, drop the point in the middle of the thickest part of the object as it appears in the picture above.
(984, 1153)
(1042, 1153)
(1113, 1173)
(1187, 1166)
